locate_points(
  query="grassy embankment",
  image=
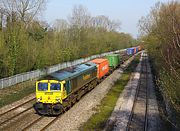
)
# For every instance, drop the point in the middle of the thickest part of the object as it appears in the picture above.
(104, 110)
(16, 92)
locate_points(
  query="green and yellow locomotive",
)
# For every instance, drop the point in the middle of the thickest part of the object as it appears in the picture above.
(59, 90)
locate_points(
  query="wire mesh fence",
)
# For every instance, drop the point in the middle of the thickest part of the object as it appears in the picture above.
(12, 80)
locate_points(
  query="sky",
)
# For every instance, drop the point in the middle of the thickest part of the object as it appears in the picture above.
(127, 11)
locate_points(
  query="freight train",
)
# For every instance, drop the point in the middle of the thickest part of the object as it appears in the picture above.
(58, 91)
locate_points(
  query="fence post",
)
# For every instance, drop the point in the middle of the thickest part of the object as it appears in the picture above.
(16, 79)
(9, 82)
(2, 84)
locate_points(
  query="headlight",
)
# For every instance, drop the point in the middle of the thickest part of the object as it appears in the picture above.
(58, 99)
(38, 99)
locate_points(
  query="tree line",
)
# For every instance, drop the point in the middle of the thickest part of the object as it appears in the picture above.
(160, 31)
(26, 43)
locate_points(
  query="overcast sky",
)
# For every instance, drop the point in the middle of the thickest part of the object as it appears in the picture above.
(127, 11)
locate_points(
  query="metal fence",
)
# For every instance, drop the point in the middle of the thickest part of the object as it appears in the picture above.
(9, 81)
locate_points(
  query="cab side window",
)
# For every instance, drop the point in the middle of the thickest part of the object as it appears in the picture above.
(64, 87)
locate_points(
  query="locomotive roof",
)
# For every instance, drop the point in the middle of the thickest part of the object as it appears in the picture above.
(71, 72)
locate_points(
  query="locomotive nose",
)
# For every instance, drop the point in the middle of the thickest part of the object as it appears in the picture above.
(49, 97)
(48, 109)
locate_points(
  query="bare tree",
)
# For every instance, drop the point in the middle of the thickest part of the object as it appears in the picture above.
(60, 25)
(80, 16)
(161, 30)
(2, 17)
(25, 9)
(104, 22)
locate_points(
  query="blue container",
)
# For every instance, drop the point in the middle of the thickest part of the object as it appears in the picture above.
(136, 49)
(130, 51)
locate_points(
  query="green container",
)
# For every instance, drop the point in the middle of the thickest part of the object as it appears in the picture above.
(113, 60)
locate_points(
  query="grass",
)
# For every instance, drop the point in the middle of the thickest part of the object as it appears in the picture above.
(16, 92)
(98, 120)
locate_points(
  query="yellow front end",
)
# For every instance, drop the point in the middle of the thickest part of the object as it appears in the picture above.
(49, 96)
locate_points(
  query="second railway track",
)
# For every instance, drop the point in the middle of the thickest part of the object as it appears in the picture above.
(14, 108)
(138, 117)
(16, 111)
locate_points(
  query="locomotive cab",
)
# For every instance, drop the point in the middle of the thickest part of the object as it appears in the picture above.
(49, 95)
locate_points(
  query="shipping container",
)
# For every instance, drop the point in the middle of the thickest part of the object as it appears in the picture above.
(113, 60)
(130, 51)
(134, 50)
(137, 49)
(102, 67)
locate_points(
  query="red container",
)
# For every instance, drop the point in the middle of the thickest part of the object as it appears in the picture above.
(102, 67)
(134, 50)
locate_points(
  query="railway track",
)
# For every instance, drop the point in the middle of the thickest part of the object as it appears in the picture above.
(138, 117)
(16, 111)
(50, 123)
(32, 123)
(42, 126)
